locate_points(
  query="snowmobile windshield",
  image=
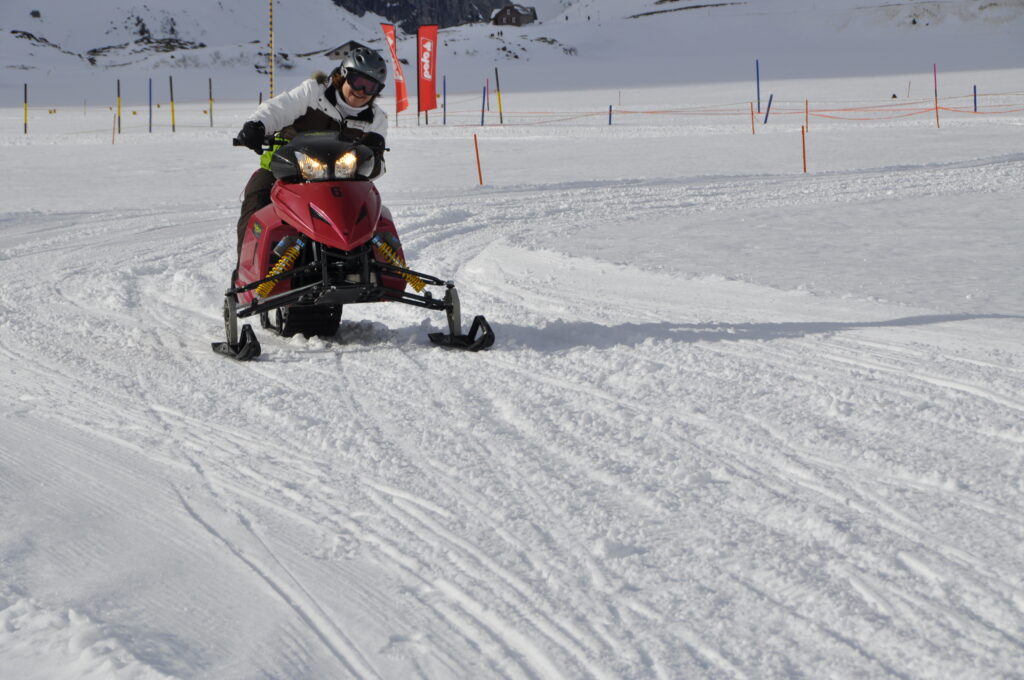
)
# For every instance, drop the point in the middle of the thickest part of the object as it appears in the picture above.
(320, 157)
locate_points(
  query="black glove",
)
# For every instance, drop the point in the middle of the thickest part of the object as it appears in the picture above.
(375, 141)
(252, 135)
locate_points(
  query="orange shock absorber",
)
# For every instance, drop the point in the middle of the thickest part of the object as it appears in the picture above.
(283, 264)
(391, 256)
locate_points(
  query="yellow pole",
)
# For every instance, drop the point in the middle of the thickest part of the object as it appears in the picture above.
(170, 79)
(26, 108)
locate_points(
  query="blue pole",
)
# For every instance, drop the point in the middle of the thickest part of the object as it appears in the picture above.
(444, 100)
(769, 109)
(757, 66)
(483, 105)
(975, 98)
(150, 104)
(609, 114)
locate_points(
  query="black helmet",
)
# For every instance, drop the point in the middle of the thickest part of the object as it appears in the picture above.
(366, 61)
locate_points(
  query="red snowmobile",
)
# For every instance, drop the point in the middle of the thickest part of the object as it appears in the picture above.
(326, 241)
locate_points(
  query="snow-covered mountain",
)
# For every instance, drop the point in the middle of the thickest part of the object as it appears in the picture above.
(67, 52)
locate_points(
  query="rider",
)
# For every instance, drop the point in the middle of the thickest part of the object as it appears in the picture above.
(344, 101)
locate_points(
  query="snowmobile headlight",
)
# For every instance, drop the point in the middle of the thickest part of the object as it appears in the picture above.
(345, 167)
(310, 167)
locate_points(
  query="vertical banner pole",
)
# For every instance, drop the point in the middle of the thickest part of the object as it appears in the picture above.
(174, 128)
(272, 60)
(118, 106)
(479, 171)
(26, 108)
(768, 110)
(803, 145)
(935, 73)
(757, 68)
(151, 105)
(497, 85)
(211, 101)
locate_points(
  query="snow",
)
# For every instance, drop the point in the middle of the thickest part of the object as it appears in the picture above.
(740, 421)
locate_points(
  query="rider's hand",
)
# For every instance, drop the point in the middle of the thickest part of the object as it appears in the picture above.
(252, 135)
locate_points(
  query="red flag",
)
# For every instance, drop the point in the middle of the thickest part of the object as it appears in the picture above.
(426, 61)
(401, 96)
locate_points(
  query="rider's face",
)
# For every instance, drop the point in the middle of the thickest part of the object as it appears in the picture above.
(354, 98)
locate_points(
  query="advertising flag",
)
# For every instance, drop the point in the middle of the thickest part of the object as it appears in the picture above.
(426, 67)
(401, 94)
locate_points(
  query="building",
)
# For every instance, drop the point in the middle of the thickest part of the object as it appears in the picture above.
(514, 15)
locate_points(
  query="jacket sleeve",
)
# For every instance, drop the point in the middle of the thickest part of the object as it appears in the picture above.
(281, 111)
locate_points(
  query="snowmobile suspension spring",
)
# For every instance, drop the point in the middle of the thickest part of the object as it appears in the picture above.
(391, 256)
(283, 264)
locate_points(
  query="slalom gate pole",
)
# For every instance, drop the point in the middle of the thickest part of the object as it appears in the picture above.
(211, 102)
(807, 115)
(174, 128)
(609, 114)
(769, 109)
(757, 69)
(497, 85)
(975, 98)
(444, 100)
(753, 130)
(150, 104)
(935, 74)
(487, 93)
(118, 106)
(113, 129)
(803, 145)
(26, 108)
(483, 104)
(479, 171)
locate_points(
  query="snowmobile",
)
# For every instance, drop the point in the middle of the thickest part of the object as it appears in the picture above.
(326, 241)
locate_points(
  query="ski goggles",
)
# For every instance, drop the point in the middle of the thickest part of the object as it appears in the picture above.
(365, 84)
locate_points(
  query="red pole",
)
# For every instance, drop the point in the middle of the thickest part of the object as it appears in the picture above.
(803, 144)
(479, 171)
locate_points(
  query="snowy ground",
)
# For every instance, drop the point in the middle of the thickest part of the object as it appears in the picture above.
(739, 422)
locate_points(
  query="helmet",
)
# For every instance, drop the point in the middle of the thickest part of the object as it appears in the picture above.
(366, 61)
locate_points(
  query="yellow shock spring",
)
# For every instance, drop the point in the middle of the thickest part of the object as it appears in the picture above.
(286, 262)
(391, 256)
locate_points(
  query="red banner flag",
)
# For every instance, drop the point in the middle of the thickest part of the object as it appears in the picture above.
(401, 95)
(426, 62)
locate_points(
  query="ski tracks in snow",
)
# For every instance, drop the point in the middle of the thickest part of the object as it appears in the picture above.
(649, 476)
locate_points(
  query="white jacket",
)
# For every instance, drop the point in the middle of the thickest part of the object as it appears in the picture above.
(303, 103)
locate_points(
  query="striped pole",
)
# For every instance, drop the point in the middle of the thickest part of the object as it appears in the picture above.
(118, 106)
(497, 86)
(271, 25)
(173, 125)
(26, 108)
